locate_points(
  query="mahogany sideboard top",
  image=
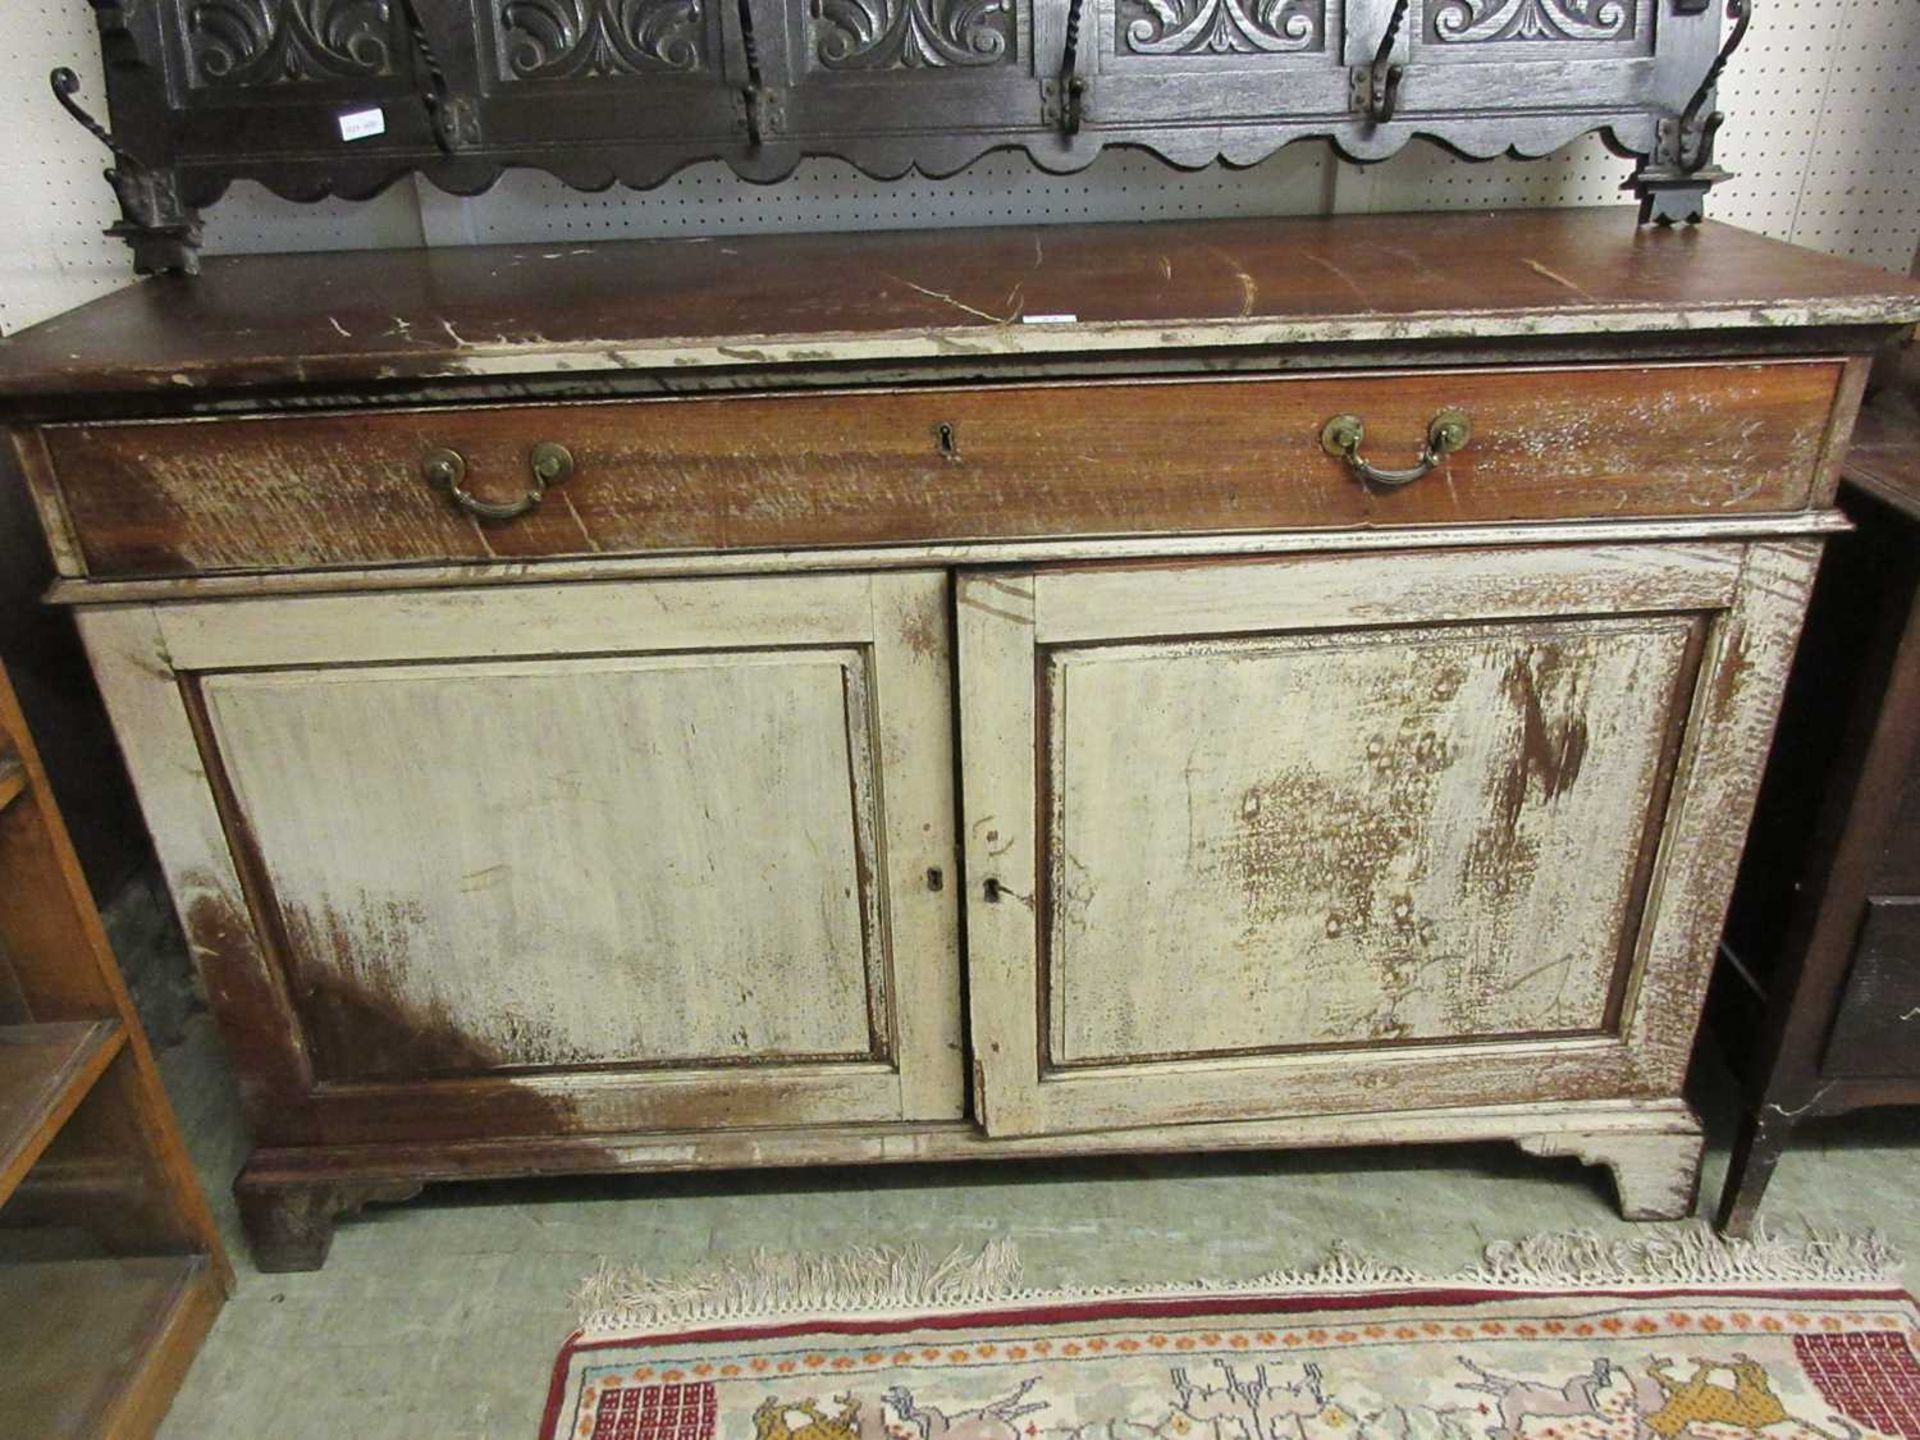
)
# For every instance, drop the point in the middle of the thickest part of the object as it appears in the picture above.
(1358, 287)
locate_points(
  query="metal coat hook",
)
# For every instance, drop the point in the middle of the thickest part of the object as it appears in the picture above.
(1375, 87)
(1696, 148)
(164, 233)
(1073, 85)
(66, 85)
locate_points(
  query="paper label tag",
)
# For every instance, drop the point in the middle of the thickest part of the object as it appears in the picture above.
(363, 124)
(1049, 319)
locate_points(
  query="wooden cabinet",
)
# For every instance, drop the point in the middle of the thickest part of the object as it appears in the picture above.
(976, 740)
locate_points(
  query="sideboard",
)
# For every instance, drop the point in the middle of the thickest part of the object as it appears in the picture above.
(1018, 693)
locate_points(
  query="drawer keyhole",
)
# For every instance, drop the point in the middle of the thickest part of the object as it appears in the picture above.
(943, 437)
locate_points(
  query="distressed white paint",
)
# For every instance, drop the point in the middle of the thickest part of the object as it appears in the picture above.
(568, 860)
(1009, 338)
(558, 619)
(1374, 837)
(1325, 592)
(1750, 596)
(1656, 1173)
(1409, 538)
(636, 859)
(1716, 782)
(994, 636)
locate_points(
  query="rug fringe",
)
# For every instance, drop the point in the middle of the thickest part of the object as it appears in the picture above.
(1691, 1256)
(883, 1279)
(766, 1283)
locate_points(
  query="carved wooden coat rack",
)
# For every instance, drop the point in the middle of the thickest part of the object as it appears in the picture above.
(343, 97)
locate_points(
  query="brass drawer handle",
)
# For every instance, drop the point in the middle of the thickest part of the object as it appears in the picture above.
(446, 470)
(1449, 431)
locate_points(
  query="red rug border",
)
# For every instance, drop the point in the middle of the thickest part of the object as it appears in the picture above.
(1056, 1311)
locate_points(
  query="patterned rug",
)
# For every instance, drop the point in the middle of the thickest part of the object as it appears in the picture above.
(1683, 1337)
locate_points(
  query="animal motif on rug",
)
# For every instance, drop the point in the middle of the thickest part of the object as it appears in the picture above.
(992, 1421)
(774, 1420)
(1731, 1400)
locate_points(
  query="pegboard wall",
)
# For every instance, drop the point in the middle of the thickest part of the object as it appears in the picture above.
(1823, 130)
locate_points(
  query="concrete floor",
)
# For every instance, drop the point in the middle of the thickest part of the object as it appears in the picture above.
(439, 1319)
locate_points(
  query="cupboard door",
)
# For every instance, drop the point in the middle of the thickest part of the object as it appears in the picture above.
(660, 851)
(1258, 839)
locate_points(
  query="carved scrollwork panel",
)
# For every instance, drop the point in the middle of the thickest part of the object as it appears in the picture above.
(579, 39)
(1467, 22)
(247, 43)
(1219, 27)
(912, 34)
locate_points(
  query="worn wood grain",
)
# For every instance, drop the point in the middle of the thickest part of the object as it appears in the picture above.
(865, 468)
(45, 1072)
(917, 862)
(1115, 602)
(97, 1348)
(176, 794)
(360, 318)
(1742, 678)
(29, 449)
(670, 617)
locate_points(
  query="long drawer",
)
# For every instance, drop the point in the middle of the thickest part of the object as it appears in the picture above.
(986, 462)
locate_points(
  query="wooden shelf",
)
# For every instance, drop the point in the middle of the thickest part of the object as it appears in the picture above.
(45, 1072)
(96, 1348)
(88, 1346)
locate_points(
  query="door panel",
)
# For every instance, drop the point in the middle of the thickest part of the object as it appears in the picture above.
(1352, 833)
(1401, 835)
(596, 824)
(566, 858)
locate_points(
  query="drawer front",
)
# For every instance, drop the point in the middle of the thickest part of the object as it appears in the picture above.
(983, 463)
(1877, 1029)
